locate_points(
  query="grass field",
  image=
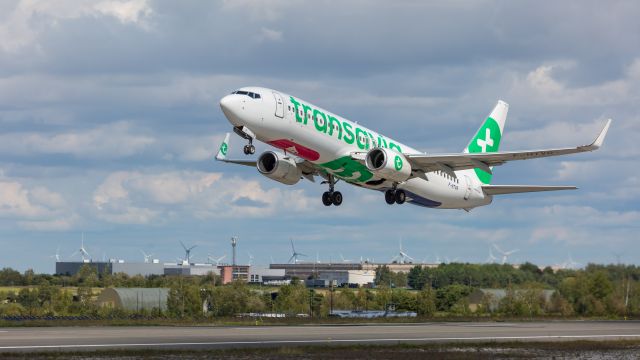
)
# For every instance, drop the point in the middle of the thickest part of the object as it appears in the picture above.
(515, 350)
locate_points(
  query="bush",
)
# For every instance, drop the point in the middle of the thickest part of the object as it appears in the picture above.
(12, 309)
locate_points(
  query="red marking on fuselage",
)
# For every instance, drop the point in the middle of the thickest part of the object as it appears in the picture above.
(296, 149)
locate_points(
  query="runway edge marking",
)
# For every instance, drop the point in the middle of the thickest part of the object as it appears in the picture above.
(319, 341)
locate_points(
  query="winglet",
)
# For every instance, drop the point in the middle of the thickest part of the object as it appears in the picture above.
(597, 143)
(224, 148)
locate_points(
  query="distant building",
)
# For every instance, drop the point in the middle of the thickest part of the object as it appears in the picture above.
(396, 267)
(493, 297)
(191, 269)
(71, 268)
(228, 273)
(264, 274)
(136, 268)
(134, 299)
(305, 270)
(348, 277)
(133, 269)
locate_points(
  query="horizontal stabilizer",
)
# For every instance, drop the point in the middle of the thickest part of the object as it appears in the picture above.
(514, 189)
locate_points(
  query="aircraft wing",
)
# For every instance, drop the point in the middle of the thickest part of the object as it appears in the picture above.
(514, 189)
(484, 161)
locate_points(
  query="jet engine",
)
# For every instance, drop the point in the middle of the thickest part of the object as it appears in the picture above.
(279, 168)
(388, 164)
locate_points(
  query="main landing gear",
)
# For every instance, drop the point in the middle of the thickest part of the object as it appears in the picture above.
(331, 196)
(395, 196)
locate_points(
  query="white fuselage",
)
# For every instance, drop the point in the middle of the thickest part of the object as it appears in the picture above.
(329, 141)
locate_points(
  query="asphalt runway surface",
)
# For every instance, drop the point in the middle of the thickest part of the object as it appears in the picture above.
(205, 337)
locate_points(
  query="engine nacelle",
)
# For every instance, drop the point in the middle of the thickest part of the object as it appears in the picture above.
(279, 168)
(388, 164)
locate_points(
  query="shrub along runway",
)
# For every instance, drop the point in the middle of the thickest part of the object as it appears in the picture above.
(204, 337)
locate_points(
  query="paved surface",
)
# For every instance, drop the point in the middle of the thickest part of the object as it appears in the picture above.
(92, 338)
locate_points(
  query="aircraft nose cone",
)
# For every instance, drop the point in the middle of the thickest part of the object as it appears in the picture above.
(231, 107)
(225, 103)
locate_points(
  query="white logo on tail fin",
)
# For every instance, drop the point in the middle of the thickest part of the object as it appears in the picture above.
(488, 141)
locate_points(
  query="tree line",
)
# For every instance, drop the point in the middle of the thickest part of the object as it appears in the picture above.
(597, 290)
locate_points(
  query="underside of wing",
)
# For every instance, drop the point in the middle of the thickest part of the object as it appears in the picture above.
(515, 189)
(484, 161)
(240, 162)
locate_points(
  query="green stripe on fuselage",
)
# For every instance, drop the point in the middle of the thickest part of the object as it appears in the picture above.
(348, 169)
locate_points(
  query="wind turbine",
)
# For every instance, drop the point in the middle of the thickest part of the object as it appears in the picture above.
(402, 256)
(294, 254)
(82, 251)
(505, 254)
(146, 256)
(56, 255)
(491, 259)
(187, 252)
(214, 260)
(250, 258)
(343, 259)
(570, 263)
(447, 261)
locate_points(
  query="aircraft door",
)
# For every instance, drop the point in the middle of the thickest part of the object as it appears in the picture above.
(279, 105)
(467, 191)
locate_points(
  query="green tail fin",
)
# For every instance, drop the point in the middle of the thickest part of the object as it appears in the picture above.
(487, 138)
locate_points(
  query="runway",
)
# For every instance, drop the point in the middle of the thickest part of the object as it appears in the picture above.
(207, 337)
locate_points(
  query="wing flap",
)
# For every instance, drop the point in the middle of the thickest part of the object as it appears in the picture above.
(515, 189)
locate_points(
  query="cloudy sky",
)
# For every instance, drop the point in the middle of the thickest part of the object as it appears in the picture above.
(109, 119)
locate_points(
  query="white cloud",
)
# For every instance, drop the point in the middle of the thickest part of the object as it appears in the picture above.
(141, 198)
(134, 11)
(541, 86)
(30, 18)
(270, 34)
(266, 10)
(34, 208)
(106, 141)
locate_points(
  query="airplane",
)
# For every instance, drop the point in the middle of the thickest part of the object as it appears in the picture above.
(317, 143)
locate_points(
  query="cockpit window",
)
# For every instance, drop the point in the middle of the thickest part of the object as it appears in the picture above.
(248, 93)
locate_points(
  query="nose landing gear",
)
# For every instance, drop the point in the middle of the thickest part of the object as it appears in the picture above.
(331, 197)
(247, 134)
(249, 149)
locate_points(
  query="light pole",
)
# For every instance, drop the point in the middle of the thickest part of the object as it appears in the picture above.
(234, 272)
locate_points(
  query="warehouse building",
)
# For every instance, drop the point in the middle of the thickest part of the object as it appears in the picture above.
(134, 299)
(70, 268)
(306, 270)
(264, 274)
(348, 277)
(132, 269)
